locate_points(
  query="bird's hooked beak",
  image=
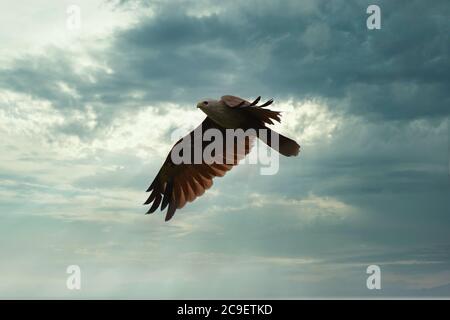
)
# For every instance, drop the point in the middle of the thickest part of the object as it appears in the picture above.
(201, 105)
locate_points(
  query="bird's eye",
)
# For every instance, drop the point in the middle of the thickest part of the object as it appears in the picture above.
(205, 103)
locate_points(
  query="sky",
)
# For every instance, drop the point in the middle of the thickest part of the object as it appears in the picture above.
(87, 113)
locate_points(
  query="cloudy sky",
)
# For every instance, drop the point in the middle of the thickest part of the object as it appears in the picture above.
(86, 116)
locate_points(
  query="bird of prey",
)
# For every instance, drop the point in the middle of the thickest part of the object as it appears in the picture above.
(179, 183)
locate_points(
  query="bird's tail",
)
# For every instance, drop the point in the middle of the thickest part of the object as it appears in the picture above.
(284, 145)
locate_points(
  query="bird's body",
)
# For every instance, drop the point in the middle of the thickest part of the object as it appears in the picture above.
(179, 183)
(225, 116)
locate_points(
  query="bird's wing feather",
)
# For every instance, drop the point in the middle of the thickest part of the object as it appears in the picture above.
(234, 102)
(177, 184)
(259, 113)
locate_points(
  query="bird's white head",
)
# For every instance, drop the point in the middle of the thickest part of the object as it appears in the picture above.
(206, 105)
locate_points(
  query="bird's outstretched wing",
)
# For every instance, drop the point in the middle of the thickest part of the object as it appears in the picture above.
(177, 184)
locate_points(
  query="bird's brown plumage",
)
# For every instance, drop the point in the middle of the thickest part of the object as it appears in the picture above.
(177, 184)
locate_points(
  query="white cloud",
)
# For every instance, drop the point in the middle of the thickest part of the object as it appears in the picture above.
(309, 121)
(309, 208)
(34, 146)
(45, 24)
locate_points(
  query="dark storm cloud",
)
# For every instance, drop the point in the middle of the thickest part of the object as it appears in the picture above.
(291, 48)
(396, 72)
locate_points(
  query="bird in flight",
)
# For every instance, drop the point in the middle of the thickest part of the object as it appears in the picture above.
(179, 183)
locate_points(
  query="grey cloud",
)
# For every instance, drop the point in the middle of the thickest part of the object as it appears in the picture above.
(388, 160)
(397, 72)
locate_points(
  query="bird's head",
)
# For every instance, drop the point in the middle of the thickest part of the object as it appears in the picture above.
(203, 104)
(206, 105)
